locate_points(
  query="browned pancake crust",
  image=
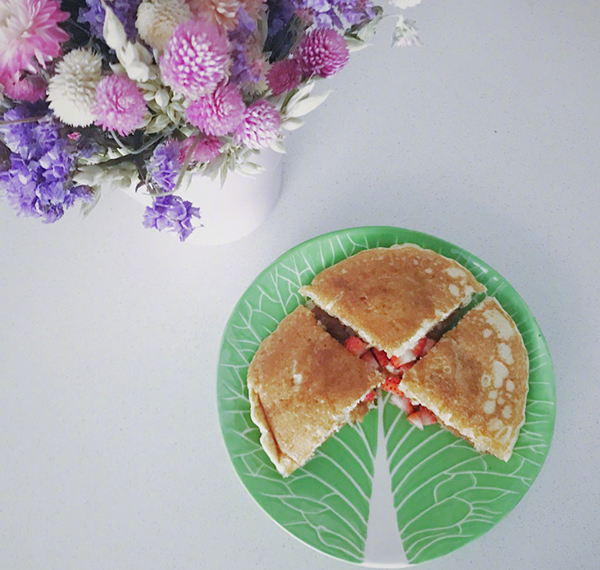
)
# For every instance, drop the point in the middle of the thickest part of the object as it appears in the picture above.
(475, 379)
(303, 386)
(393, 296)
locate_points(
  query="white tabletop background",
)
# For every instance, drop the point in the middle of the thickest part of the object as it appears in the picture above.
(487, 136)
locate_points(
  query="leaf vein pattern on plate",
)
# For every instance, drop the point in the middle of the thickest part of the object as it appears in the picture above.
(326, 503)
(445, 493)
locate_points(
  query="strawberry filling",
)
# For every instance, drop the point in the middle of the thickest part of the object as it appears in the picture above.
(395, 366)
(417, 415)
(356, 346)
(381, 357)
(370, 360)
(369, 397)
(422, 417)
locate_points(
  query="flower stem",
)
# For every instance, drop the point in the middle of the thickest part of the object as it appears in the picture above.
(187, 160)
(21, 121)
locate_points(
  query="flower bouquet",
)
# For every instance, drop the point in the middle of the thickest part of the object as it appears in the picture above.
(144, 94)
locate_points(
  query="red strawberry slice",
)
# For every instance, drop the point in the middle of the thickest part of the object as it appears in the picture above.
(399, 366)
(400, 400)
(370, 360)
(405, 368)
(355, 345)
(418, 349)
(427, 416)
(407, 356)
(396, 362)
(415, 420)
(370, 396)
(422, 417)
(381, 357)
(428, 346)
(391, 385)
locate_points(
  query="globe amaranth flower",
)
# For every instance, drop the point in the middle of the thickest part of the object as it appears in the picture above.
(260, 127)
(173, 214)
(221, 13)
(218, 113)
(196, 59)
(284, 76)
(120, 105)
(157, 19)
(125, 11)
(204, 150)
(72, 90)
(38, 180)
(29, 88)
(322, 52)
(29, 31)
(164, 166)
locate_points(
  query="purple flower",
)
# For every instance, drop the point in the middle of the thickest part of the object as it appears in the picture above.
(125, 10)
(356, 11)
(38, 180)
(173, 214)
(169, 212)
(94, 16)
(164, 168)
(329, 13)
(246, 26)
(241, 70)
(282, 34)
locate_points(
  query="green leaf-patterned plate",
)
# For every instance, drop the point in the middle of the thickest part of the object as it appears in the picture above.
(382, 493)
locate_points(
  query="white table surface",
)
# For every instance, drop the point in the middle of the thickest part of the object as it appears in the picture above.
(488, 136)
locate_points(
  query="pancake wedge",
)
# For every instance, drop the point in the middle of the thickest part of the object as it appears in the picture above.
(475, 380)
(392, 297)
(303, 387)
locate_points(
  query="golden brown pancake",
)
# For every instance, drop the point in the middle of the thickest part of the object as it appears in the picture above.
(393, 296)
(475, 380)
(304, 386)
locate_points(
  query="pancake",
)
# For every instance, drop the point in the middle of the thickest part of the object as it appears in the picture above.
(392, 297)
(304, 386)
(475, 380)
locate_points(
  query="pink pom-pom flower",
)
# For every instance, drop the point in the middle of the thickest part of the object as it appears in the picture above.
(30, 88)
(322, 52)
(196, 59)
(29, 30)
(218, 113)
(120, 105)
(260, 127)
(207, 149)
(284, 76)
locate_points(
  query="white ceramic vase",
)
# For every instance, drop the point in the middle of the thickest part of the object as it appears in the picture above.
(232, 211)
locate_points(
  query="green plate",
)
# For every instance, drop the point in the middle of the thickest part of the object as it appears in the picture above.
(382, 493)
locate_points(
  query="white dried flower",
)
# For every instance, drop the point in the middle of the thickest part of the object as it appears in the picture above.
(405, 33)
(255, 90)
(72, 90)
(156, 20)
(403, 4)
